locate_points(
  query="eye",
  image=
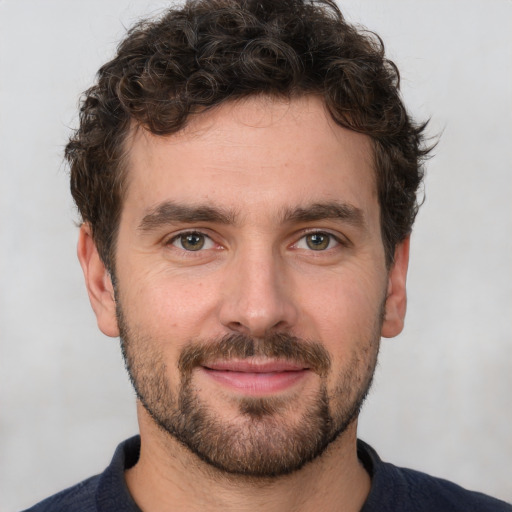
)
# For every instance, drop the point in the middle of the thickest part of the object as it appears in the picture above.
(192, 241)
(317, 241)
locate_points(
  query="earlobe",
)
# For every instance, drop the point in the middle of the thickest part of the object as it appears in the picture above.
(98, 283)
(396, 300)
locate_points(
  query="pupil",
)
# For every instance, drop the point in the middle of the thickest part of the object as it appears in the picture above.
(192, 242)
(318, 241)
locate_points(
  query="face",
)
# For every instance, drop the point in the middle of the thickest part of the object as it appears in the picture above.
(251, 285)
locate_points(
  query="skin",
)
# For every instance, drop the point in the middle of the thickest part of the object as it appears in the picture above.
(254, 159)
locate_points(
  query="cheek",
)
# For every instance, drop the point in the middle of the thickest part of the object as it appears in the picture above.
(168, 306)
(343, 310)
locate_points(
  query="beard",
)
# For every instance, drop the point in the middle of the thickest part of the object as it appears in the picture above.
(267, 438)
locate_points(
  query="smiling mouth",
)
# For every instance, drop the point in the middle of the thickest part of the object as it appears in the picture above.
(255, 378)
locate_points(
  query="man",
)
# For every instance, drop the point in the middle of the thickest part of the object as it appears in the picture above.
(246, 174)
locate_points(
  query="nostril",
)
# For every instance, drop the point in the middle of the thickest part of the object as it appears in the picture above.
(238, 327)
(281, 325)
(257, 331)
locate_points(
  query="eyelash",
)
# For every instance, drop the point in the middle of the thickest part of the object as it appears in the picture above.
(339, 241)
(331, 238)
(184, 234)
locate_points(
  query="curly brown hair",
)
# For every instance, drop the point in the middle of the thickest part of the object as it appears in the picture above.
(211, 51)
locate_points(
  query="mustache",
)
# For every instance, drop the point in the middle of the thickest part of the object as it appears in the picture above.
(277, 345)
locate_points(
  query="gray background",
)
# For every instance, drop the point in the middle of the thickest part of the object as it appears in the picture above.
(441, 400)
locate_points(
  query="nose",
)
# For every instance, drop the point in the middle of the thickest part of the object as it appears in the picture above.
(257, 296)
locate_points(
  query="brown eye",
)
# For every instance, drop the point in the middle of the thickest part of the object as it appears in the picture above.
(192, 241)
(318, 241)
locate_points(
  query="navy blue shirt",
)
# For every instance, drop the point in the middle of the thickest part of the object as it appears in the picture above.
(393, 489)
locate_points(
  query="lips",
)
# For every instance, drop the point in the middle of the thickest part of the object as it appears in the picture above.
(254, 366)
(255, 377)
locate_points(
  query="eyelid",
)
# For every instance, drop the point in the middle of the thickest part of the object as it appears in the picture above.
(169, 241)
(337, 237)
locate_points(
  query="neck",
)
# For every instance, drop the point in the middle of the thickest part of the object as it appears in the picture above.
(168, 476)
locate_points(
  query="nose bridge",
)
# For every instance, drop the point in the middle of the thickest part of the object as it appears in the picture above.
(258, 292)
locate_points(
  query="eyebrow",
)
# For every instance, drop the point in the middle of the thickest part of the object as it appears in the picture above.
(169, 212)
(332, 210)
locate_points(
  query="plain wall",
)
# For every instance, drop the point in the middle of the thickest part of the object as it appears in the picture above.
(441, 399)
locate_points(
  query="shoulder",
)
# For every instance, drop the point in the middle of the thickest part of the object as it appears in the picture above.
(79, 498)
(101, 493)
(442, 495)
(399, 489)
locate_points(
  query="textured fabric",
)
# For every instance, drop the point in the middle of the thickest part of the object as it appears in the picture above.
(397, 489)
(393, 489)
(100, 493)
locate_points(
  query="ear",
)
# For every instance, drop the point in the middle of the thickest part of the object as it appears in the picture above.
(98, 282)
(396, 299)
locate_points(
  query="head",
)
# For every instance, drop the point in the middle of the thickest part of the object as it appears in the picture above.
(171, 70)
(246, 173)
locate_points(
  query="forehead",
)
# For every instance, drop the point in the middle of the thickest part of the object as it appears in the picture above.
(259, 152)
